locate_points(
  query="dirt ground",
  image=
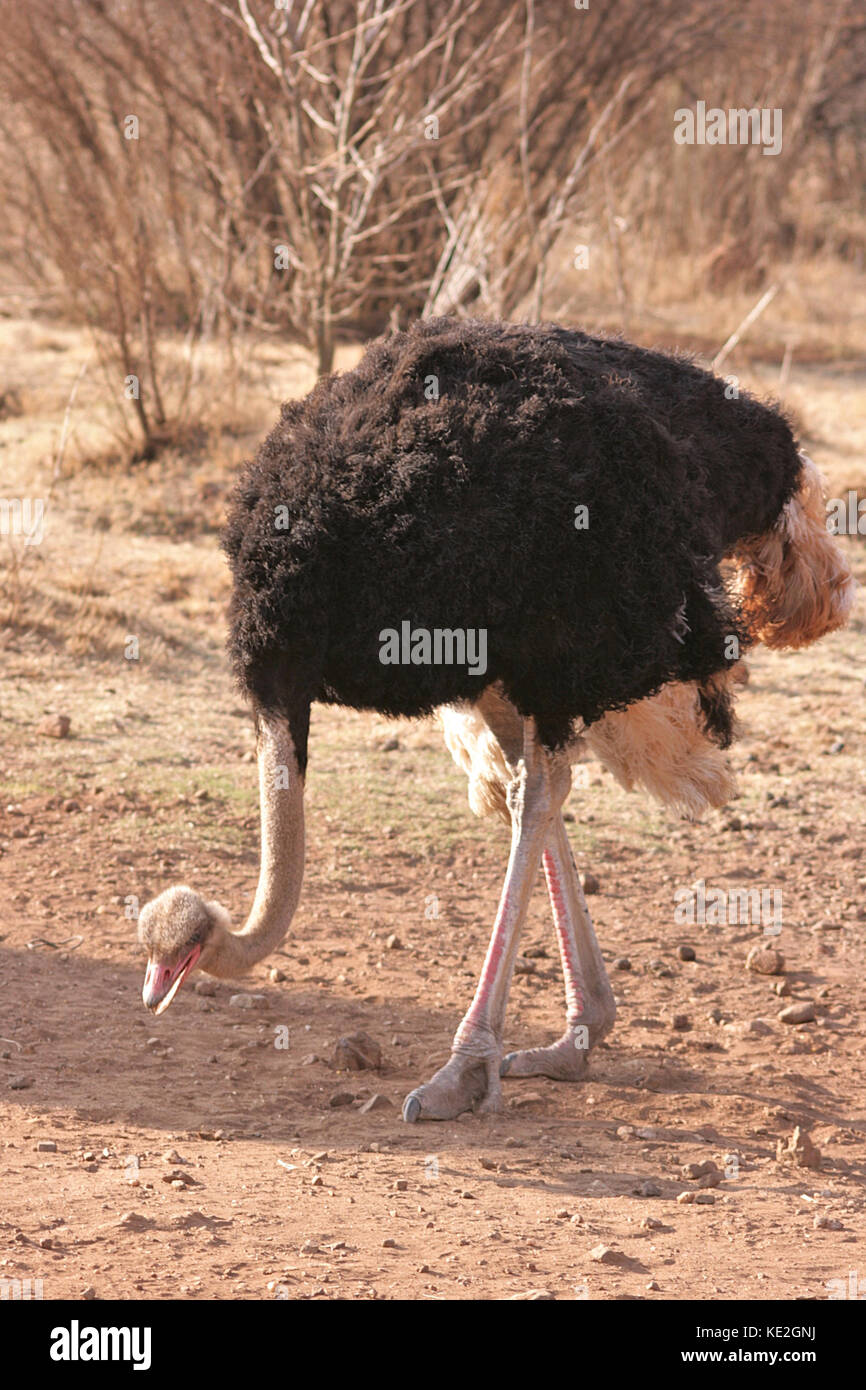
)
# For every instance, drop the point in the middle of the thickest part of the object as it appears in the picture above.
(203, 1154)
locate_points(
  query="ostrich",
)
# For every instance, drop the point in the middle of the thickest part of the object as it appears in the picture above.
(618, 524)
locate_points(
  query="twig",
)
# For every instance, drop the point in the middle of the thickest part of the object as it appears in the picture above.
(747, 322)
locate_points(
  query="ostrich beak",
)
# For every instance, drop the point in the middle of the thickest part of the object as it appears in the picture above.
(162, 982)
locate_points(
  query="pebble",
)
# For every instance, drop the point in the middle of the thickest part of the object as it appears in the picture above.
(699, 1170)
(687, 953)
(389, 1243)
(401, 1185)
(393, 942)
(681, 1022)
(827, 1223)
(55, 726)
(245, 1001)
(622, 963)
(20, 1083)
(46, 1146)
(605, 1255)
(376, 1102)
(781, 987)
(803, 1012)
(276, 975)
(533, 1296)
(651, 1223)
(590, 883)
(798, 1150)
(524, 966)
(528, 1098)
(206, 988)
(340, 1098)
(357, 1052)
(764, 960)
(649, 1189)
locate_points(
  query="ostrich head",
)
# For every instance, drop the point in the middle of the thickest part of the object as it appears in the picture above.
(180, 932)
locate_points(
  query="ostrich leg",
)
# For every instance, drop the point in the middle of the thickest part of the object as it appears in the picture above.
(470, 1079)
(589, 1002)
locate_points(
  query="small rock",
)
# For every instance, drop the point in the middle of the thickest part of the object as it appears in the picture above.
(533, 1296)
(340, 1098)
(134, 1221)
(652, 1286)
(827, 1223)
(685, 1199)
(687, 953)
(20, 1083)
(55, 726)
(528, 1098)
(89, 1293)
(705, 1199)
(781, 987)
(681, 1022)
(389, 1243)
(798, 1150)
(357, 1052)
(699, 1170)
(651, 1223)
(245, 1001)
(715, 1015)
(376, 1102)
(401, 1185)
(393, 942)
(590, 883)
(207, 988)
(176, 1177)
(622, 963)
(803, 1012)
(46, 1146)
(276, 975)
(764, 960)
(524, 966)
(605, 1255)
(649, 1189)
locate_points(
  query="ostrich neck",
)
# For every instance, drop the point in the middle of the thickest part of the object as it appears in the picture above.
(281, 796)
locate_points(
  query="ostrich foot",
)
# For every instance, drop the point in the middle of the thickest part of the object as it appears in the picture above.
(466, 1082)
(565, 1060)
